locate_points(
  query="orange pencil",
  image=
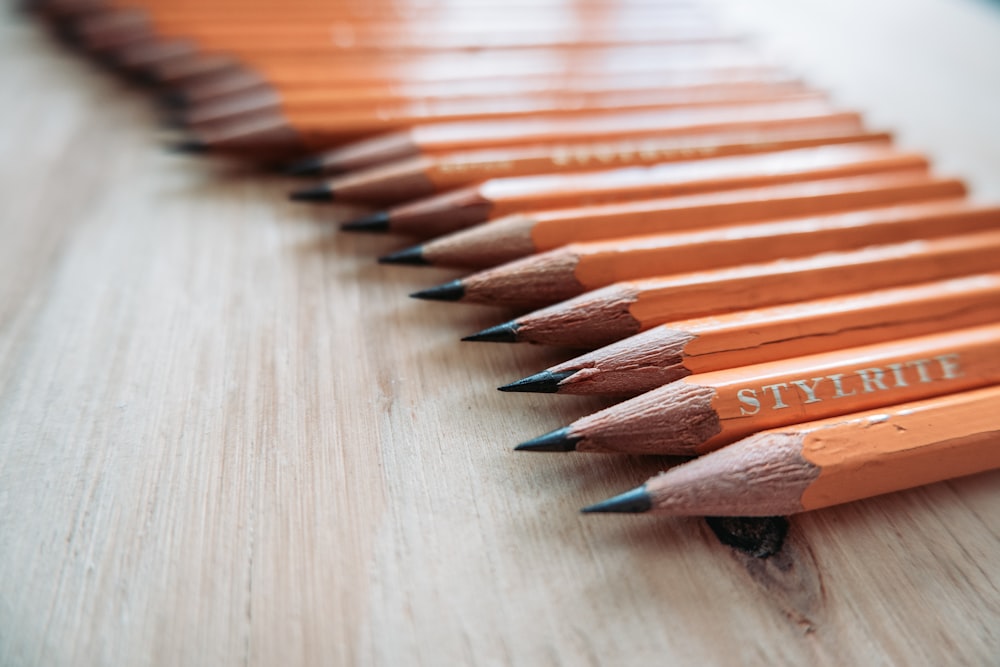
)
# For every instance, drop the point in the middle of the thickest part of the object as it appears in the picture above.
(703, 412)
(558, 185)
(425, 76)
(336, 127)
(508, 196)
(611, 313)
(433, 138)
(275, 97)
(828, 462)
(110, 26)
(329, 103)
(496, 193)
(678, 349)
(573, 269)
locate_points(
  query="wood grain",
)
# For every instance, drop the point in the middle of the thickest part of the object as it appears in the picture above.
(226, 436)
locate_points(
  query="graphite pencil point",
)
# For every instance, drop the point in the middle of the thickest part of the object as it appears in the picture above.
(189, 146)
(315, 193)
(376, 222)
(545, 382)
(501, 333)
(312, 166)
(451, 291)
(635, 501)
(560, 440)
(413, 255)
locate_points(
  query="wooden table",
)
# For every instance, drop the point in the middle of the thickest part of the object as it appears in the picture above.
(227, 437)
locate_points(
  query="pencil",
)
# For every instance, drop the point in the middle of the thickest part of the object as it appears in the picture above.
(829, 462)
(375, 94)
(575, 191)
(333, 104)
(428, 76)
(352, 121)
(678, 349)
(297, 63)
(432, 138)
(581, 267)
(327, 128)
(114, 25)
(703, 412)
(419, 177)
(606, 315)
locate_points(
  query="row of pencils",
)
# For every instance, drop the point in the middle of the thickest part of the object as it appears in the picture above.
(769, 285)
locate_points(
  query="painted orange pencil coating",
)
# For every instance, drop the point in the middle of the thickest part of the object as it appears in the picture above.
(611, 313)
(707, 411)
(831, 461)
(677, 349)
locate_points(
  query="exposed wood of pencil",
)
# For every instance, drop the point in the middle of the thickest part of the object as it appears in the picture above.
(609, 314)
(828, 462)
(450, 172)
(675, 350)
(432, 138)
(703, 412)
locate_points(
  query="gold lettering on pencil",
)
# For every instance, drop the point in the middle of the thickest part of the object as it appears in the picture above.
(775, 390)
(949, 366)
(748, 397)
(865, 381)
(897, 375)
(809, 389)
(838, 387)
(871, 379)
(921, 366)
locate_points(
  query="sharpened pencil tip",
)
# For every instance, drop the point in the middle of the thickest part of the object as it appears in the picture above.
(635, 501)
(451, 291)
(413, 255)
(545, 382)
(189, 146)
(312, 166)
(376, 222)
(321, 192)
(560, 440)
(501, 333)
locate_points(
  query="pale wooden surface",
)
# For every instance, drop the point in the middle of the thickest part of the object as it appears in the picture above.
(226, 436)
